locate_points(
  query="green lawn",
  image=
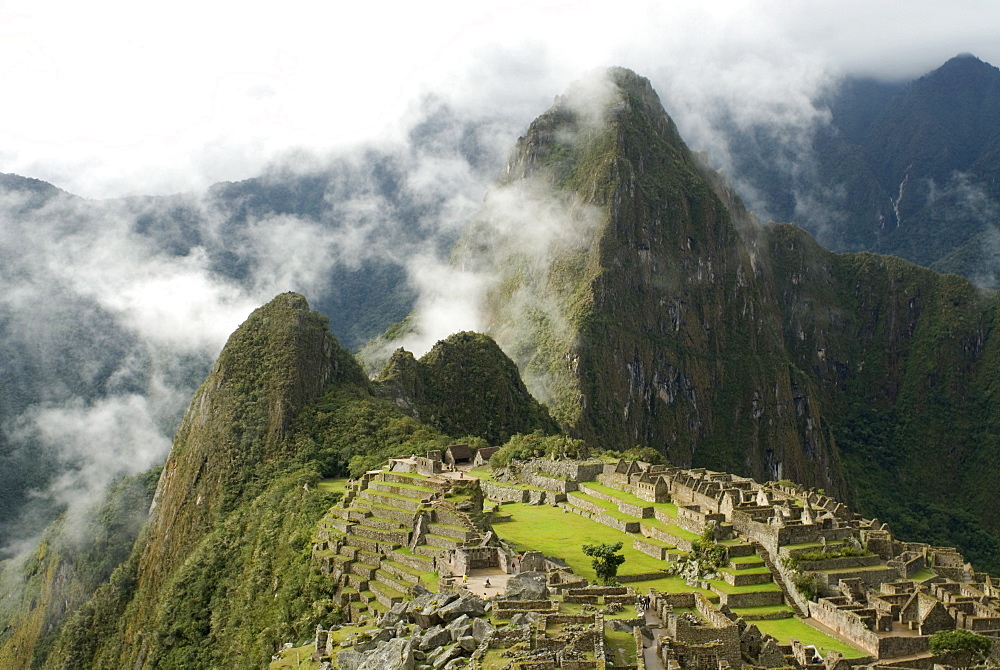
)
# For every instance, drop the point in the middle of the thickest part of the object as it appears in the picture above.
(332, 485)
(786, 629)
(622, 646)
(761, 611)
(561, 534)
(618, 493)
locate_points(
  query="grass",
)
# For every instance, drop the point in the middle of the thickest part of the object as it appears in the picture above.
(609, 508)
(672, 584)
(562, 534)
(921, 575)
(739, 560)
(622, 646)
(332, 485)
(786, 629)
(295, 658)
(619, 494)
(670, 529)
(750, 588)
(764, 610)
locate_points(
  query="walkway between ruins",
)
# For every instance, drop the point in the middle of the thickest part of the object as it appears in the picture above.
(649, 654)
(476, 582)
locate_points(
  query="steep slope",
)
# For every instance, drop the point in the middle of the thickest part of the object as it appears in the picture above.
(644, 319)
(647, 307)
(907, 170)
(224, 462)
(221, 574)
(73, 558)
(907, 363)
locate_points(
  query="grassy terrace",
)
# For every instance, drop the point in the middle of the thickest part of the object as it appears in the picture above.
(752, 559)
(751, 612)
(670, 529)
(411, 487)
(562, 534)
(609, 508)
(624, 496)
(752, 570)
(411, 475)
(720, 585)
(332, 485)
(786, 629)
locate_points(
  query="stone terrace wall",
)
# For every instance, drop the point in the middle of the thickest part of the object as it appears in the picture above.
(641, 511)
(597, 513)
(501, 493)
(847, 624)
(580, 471)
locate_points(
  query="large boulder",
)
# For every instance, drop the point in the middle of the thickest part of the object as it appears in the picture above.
(436, 637)
(480, 629)
(395, 654)
(468, 605)
(527, 586)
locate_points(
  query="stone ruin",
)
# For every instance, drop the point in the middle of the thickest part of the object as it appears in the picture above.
(867, 597)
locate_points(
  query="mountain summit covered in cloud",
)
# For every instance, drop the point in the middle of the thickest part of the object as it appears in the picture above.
(907, 169)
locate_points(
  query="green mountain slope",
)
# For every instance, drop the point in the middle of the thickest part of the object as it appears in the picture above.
(902, 169)
(667, 317)
(221, 574)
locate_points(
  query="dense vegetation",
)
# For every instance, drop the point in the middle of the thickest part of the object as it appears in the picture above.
(222, 575)
(76, 555)
(465, 385)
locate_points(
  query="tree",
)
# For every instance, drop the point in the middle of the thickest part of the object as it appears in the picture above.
(962, 641)
(606, 561)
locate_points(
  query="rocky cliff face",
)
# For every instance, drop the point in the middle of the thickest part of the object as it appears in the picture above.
(645, 304)
(651, 321)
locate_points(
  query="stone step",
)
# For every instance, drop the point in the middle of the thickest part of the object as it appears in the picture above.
(363, 570)
(390, 580)
(415, 561)
(740, 549)
(381, 498)
(379, 535)
(441, 541)
(356, 582)
(739, 578)
(428, 550)
(459, 533)
(400, 571)
(419, 493)
(386, 595)
(369, 557)
(383, 523)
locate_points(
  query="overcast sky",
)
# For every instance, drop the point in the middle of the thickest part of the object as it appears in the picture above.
(108, 98)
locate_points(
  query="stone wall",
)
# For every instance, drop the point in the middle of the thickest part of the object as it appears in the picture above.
(579, 471)
(873, 578)
(503, 494)
(551, 483)
(752, 599)
(847, 624)
(845, 563)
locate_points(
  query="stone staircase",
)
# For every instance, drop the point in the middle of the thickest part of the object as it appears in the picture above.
(382, 539)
